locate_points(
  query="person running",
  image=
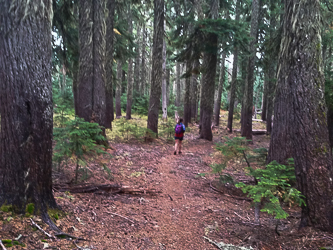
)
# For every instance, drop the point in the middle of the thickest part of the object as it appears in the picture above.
(179, 135)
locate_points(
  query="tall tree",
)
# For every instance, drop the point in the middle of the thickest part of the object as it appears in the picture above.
(137, 61)
(26, 105)
(130, 69)
(219, 90)
(91, 89)
(300, 126)
(118, 87)
(194, 89)
(208, 84)
(156, 73)
(233, 83)
(164, 82)
(177, 100)
(246, 129)
(143, 61)
(109, 115)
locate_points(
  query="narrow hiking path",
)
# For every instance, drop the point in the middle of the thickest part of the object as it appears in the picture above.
(186, 209)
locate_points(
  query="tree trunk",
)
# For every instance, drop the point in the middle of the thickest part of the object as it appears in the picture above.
(164, 84)
(194, 89)
(187, 103)
(143, 62)
(233, 83)
(177, 102)
(109, 115)
(168, 86)
(130, 70)
(26, 105)
(246, 130)
(264, 100)
(219, 91)
(137, 62)
(118, 88)
(207, 93)
(156, 75)
(300, 126)
(92, 61)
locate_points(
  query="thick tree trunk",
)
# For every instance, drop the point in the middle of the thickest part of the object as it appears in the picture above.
(187, 103)
(109, 115)
(300, 128)
(246, 130)
(26, 105)
(194, 89)
(219, 91)
(118, 88)
(177, 100)
(233, 83)
(92, 61)
(156, 76)
(130, 70)
(164, 84)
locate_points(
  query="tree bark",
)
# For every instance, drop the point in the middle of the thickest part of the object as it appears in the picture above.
(137, 62)
(156, 76)
(26, 105)
(164, 83)
(177, 102)
(118, 88)
(219, 91)
(109, 115)
(130, 70)
(207, 93)
(300, 126)
(187, 102)
(143, 61)
(92, 61)
(233, 83)
(264, 100)
(194, 89)
(246, 129)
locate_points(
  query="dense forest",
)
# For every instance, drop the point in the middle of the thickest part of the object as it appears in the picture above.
(91, 91)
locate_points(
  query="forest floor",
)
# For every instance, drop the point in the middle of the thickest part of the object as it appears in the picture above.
(174, 208)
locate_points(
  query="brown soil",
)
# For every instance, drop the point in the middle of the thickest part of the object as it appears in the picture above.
(187, 208)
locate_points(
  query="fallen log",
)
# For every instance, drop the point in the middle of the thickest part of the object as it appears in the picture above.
(102, 189)
(254, 131)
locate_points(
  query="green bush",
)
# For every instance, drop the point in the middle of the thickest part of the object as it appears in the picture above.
(78, 142)
(275, 185)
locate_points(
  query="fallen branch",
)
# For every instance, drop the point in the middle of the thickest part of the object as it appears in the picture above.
(65, 235)
(120, 216)
(240, 216)
(41, 229)
(2, 246)
(80, 247)
(234, 197)
(102, 189)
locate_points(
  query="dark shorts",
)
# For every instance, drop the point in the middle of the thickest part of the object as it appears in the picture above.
(179, 138)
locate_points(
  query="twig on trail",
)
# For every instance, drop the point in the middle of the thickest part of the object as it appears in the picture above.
(120, 216)
(80, 247)
(2, 246)
(41, 229)
(170, 197)
(65, 235)
(234, 197)
(240, 216)
(328, 237)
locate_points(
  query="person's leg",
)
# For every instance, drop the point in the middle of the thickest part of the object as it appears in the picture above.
(176, 146)
(180, 147)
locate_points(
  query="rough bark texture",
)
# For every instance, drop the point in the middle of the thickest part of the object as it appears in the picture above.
(264, 100)
(246, 130)
(91, 89)
(168, 85)
(208, 82)
(300, 126)
(130, 71)
(26, 105)
(118, 88)
(177, 100)
(233, 83)
(109, 115)
(143, 62)
(156, 75)
(194, 89)
(219, 91)
(187, 102)
(164, 84)
(137, 76)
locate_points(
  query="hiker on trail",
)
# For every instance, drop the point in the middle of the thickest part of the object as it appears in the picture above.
(179, 135)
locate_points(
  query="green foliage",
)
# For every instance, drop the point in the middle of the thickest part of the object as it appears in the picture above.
(167, 129)
(128, 129)
(274, 186)
(140, 104)
(29, 209)
(78, 142)
(6, 208)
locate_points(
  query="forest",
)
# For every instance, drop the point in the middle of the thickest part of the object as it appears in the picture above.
(91, 93)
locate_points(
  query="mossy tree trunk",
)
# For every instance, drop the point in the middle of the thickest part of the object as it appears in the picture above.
(300, 125)
(26, 105)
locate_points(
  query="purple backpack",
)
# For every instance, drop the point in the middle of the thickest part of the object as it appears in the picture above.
(179, 129)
